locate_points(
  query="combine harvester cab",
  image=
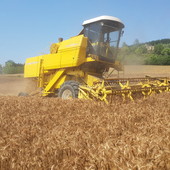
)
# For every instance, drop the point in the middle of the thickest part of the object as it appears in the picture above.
(75, 67)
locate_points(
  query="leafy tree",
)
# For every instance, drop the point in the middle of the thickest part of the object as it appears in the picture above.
(158, 49)
(158, 60)
(13, 68)
(136, 42)
(163, 41)
(165, 51)
(1, 69)
(141, 50)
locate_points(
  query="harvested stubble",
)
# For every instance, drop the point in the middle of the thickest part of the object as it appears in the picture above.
(49, 133)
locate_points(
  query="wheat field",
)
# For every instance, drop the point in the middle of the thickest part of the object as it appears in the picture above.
(50, 133)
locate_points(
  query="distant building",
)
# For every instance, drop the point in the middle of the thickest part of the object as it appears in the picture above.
(149, 48)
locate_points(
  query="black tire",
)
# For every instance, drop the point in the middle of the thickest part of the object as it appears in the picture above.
(68, 90)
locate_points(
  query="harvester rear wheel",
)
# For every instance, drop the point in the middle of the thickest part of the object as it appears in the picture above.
(69, 90)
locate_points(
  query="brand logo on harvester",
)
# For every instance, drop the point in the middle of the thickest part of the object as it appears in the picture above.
(34, 62)
(72, 45)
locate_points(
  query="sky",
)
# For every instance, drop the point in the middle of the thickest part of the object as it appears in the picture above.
(29, 27)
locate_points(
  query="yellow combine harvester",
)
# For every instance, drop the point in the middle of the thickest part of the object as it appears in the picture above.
(75, 67)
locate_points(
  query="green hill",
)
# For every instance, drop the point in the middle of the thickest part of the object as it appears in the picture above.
(153, 52)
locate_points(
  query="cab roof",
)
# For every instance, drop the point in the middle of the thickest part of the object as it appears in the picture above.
(102, 18)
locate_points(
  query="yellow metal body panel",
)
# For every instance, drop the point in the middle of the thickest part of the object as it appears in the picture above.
(53, 81)
(52, 61)
(32, 66)
(89, 79)
(71, 53)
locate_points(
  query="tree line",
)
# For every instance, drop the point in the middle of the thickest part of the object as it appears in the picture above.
(11, 67)
(151, 53)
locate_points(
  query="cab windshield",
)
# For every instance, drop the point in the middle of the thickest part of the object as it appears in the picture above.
(103, 39)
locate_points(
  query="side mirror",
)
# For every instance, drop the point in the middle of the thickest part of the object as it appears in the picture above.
(122, 32)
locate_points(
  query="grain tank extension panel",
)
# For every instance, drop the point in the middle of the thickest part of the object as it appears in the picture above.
(32, 66)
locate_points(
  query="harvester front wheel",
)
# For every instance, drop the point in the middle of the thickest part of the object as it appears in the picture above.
(69, 90)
